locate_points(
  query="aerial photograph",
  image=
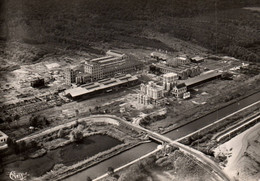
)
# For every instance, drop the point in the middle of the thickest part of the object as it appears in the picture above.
(129, 90)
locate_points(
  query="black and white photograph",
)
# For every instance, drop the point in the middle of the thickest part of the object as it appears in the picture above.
(129, 90)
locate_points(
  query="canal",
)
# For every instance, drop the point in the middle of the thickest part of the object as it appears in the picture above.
(115, 162)
(132, 154)
(212, 117)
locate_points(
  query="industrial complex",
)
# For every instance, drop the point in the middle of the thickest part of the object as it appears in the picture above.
(112, 64)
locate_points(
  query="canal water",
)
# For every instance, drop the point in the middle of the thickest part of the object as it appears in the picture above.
(67, 155)
(132, 154)
(115, 162)
(212, 117)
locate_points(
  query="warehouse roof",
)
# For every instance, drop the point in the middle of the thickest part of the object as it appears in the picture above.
(96, 86)
(205, 76)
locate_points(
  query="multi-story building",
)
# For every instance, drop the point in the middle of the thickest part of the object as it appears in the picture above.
(103, 67)
(113, 63)
(179, 89)
(94, 69)
(151, 94)
(82, 78)
(70, 76)
(169, 79)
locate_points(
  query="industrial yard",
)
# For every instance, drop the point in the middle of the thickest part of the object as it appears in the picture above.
(93, 90)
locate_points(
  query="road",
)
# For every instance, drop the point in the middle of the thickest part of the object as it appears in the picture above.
(130, 155)
(197, 154)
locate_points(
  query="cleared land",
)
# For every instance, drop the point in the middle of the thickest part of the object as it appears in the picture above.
(174, 166)
(242, 154)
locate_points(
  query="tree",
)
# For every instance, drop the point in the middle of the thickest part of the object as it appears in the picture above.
(77, 112)
(33, 121)
(22, 146)
(61, 133)
(16, 117)
(88, 178)
(77, 135)
(8, 119)
(1, 120)
(38, 121)
(96, 108)
(11, 142)
(110, 170)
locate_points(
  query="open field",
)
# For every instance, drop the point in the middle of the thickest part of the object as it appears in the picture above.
(242, 154)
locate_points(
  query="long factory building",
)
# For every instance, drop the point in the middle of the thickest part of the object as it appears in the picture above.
(106, 85)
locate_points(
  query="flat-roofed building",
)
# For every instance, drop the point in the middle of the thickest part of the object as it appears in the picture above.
(183, 71)
(82, 78)
(110, 65)
(177, 61)
(94, 69)
(169, 79)
(105, 85)
(197, 59)
(70, 76)
(160, 55)
(116, 53)
(151, 93)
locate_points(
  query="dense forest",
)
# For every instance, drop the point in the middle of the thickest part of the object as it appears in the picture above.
(220, 25)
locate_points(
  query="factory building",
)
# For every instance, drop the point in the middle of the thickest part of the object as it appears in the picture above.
(112, 64)
(151, 93)
(102, 86)
(169, 80)
(183, 71)
(178, 61)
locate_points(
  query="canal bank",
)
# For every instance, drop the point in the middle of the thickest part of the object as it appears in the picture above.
(183, 123)
(213, 116)
(115, 162)
(135, 153)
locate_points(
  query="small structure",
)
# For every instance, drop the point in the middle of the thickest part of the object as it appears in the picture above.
(3, 138)
(197, 59)
(178, 61)
(159, 56)
(186, 95)
(179, 90)
(116, 53)
(38, 83)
